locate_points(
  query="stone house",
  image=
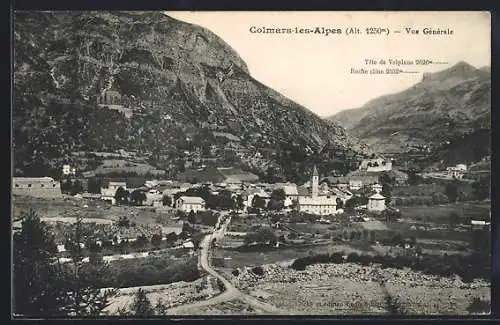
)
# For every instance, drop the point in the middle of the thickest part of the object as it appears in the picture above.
(190, 203)
(42, 187)
(376, 203)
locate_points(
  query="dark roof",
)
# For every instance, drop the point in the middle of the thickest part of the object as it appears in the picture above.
(364, 176)
(339, 179)
(303, 190)
(315, 171)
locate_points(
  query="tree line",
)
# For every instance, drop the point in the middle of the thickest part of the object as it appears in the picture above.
(45, 288)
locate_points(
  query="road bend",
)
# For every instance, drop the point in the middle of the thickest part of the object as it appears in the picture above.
(231, 292)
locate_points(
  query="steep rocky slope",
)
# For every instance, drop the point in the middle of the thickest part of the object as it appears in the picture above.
(437, 112)
(180, 80)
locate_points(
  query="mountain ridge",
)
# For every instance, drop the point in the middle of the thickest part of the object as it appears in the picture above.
(442, 107)
(179, 79)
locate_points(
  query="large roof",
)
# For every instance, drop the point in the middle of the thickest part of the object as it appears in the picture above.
(303, 190)
(339, 192)
(366, 177)
(262, 194)
(290, 190)
(33, 179)
(337, 179)
(377, 196)
(192, 199)
(131, 182)
(118, 183)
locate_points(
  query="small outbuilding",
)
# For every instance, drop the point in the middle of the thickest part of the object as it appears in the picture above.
(376, 202)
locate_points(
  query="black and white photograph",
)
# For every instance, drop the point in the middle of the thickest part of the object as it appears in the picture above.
(236, 163)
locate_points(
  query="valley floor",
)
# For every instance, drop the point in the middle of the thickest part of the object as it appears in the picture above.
(350, 289)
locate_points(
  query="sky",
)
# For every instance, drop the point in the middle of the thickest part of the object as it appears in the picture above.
(314, 70)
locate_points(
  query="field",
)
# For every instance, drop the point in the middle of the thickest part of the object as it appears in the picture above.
(441, 213)
(124, 166)
(99, 220)
(153, 270)
(233, 259)
(71, 207)
(436, 237)
(374, 225)
(417, 190)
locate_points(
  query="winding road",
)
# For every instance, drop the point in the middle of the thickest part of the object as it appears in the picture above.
(231, 292)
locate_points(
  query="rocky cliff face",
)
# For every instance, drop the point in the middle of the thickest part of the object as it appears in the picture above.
(179, 78)
(443, 108)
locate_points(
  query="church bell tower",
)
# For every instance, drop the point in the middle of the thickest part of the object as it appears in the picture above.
(315, 182)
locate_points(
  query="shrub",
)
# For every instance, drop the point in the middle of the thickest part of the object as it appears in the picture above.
(467, 267)
(365, 260)
(299, 264)
(218, 262)
(397, 239)
(479, 306)
(220, 285)
(235, 272)
(152, 272)
(439, 198)
(353, 258)
(156, 240)
(337, 258)
(394, 306)
(258, 270)
(261, 235)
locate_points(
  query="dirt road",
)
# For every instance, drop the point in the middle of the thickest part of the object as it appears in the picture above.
(231, 293)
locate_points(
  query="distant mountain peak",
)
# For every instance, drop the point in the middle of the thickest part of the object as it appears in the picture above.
(486, 68)
(442, 107)
(462, 70)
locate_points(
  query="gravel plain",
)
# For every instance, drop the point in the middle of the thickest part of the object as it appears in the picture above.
(351, 289)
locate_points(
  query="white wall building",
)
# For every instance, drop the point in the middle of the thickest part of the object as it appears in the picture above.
(190, 203)
(376, 203)
(108, 193)
(263, 195)
(153, 196)
(377, 188)
(67, 170)
(151, 184)
(457, 171)
(316, 204)
(355, 184)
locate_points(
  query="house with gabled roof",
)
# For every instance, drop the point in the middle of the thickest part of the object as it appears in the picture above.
(190, 203)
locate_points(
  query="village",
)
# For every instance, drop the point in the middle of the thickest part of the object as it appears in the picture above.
(138, 226)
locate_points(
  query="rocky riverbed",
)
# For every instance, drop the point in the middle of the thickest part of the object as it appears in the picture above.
(232, 307)
(172, 295)
(354, 289)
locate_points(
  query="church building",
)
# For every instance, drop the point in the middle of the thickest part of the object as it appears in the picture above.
(316, 203)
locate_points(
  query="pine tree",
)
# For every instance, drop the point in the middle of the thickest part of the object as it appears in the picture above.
(240, 202)
(85, 297)
(160, 307)
(141, 307)
(37, 286)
